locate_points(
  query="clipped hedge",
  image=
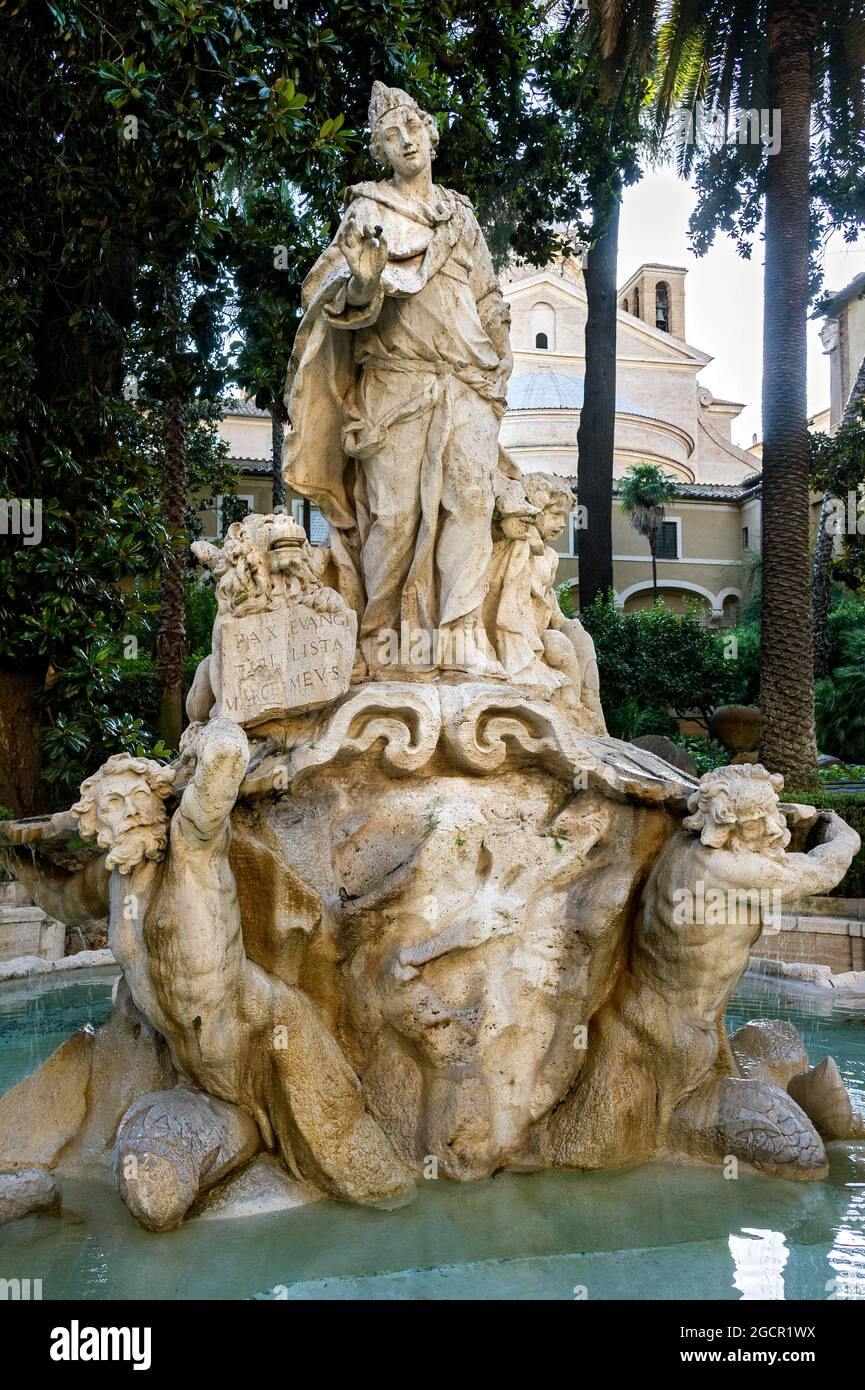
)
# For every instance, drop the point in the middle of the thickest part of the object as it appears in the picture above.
(851, 808)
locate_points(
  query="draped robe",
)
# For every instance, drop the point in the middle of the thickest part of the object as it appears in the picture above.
(394, 410)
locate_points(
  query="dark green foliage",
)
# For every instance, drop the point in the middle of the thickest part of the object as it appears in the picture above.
(837, 466)
(745, 664)
(200, 614)
(138, 691)
(716, 53)
(706, 752)
(840, 696)
(656, 660)
(163, 151)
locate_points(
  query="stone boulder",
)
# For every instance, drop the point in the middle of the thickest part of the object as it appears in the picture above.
(263, 1186)
(668, 750)
(27, 1190)
(823, 1096)
(45, 1111)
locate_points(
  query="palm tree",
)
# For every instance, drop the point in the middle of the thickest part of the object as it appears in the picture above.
(618, 44)
(644, 493)
(795, 58)
(277, 436)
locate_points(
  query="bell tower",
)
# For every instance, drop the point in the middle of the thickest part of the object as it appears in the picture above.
(656, 294)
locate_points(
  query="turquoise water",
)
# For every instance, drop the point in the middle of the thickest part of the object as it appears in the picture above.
(657, 1232)
(37, 1014)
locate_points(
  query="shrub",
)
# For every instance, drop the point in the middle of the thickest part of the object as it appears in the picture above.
(745, 667)
(707, 753)
(840, 697)
(200, 616)
(655, 664)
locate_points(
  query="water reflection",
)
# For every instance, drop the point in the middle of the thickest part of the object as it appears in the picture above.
(759, 1259)
(847, 1256)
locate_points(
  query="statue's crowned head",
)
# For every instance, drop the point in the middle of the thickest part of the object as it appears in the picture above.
(403, 137)
(122, 807)
(736, 808)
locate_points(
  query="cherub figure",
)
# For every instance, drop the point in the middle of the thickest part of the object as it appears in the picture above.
(534, 641)
(659, 1067)
(568, 648)
(509, 612)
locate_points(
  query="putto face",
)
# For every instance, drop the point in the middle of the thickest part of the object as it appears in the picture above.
(405, 142)
(554, 518)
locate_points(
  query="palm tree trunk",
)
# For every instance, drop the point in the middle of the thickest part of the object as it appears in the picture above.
(788, 741)
(821, 583)
(277, 434)
(597, 428)
(654, 572)
(171, 636)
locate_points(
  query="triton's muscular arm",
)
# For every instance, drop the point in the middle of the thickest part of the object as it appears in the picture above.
(72, 896)
(792, 875)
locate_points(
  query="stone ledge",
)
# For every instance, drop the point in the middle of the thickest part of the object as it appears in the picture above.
(11, 916)
(22, 966)
(825, 926)
(818, 976)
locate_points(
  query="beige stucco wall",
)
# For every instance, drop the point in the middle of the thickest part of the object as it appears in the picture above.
(247, 437)
(711, 571)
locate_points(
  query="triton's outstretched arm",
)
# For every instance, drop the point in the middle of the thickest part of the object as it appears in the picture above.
(72, 896)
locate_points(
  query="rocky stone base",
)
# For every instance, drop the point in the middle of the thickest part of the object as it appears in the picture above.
(23, 966)
(27, 1190)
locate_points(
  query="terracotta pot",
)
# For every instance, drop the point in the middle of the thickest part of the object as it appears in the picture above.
(737, 727)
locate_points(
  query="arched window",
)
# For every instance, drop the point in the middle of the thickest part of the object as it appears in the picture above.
(637, 303)
(543, 326)
(625, 305)
(662, 306)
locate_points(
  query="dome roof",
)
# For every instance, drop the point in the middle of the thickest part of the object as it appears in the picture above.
(546, 390)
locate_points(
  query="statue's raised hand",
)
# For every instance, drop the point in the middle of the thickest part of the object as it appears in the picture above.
(365, 253)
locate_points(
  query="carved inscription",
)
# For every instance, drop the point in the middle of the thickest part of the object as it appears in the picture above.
(285, 662)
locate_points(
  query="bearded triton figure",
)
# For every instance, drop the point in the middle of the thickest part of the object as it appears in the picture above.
(395, 392)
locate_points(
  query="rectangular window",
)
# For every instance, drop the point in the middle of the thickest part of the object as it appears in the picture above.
(744, 538)
(312, 520)
(668, 541)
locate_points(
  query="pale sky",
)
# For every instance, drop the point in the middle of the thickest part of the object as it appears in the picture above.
(723, 293)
